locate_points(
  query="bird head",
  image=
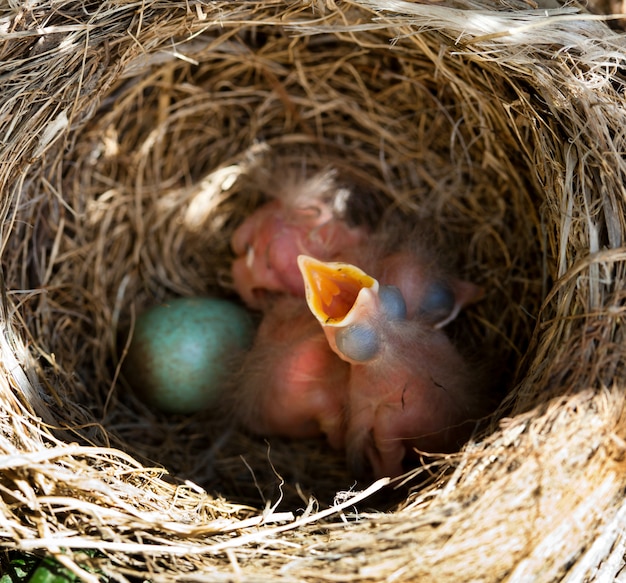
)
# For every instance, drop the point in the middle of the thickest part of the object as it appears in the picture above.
(355, 309)
(351, 306)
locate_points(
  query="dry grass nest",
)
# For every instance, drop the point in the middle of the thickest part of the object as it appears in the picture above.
(133, 135)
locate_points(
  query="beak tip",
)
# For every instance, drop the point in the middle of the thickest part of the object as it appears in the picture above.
(304, 262)
(304, 265)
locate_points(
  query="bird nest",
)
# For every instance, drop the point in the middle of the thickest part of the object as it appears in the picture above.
(133, 139)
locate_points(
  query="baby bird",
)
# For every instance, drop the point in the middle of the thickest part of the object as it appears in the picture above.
(408, 387)
(307, 217)
(291, 383)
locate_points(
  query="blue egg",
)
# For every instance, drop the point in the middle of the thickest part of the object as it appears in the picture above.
(183, 353)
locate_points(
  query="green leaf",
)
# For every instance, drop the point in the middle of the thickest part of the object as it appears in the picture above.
(50, 571)
(18, 567)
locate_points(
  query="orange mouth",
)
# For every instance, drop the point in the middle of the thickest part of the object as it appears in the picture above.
(332, 288)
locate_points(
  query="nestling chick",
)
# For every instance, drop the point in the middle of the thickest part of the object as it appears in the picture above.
(408, 387)
(304, 217)
(291, 383)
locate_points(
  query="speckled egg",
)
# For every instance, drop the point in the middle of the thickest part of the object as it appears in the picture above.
(183, 352)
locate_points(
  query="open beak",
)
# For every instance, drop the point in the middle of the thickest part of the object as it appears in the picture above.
(344, 299)
(333, 289)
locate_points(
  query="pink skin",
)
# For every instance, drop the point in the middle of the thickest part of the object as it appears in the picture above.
(268, 242)
(411, 396)
(293, 384)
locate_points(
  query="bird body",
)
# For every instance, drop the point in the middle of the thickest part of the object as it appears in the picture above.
(413, 395)
(292, 384)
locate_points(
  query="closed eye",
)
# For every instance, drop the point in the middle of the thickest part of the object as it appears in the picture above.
(358, 342)
(438, 303)
(392, 302)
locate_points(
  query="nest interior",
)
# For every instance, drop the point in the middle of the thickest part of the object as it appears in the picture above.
(133, 139)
